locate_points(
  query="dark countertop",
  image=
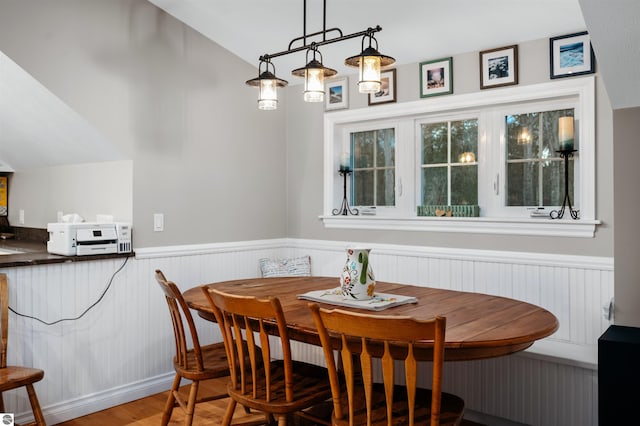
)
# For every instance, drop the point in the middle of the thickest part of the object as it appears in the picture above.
(34, 252)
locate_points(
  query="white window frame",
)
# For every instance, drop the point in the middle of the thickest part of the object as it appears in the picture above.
(405, 116)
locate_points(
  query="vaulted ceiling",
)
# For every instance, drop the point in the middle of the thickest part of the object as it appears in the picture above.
(413, 31)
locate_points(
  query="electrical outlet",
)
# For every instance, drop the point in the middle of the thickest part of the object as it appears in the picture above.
(158, 222)
(21, 217)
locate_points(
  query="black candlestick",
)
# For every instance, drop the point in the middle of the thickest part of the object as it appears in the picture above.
(557, 214)
(345, 209)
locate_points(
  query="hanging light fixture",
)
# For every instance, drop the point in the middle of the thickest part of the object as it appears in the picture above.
(314, 74)
(268, 84)
(369, 63)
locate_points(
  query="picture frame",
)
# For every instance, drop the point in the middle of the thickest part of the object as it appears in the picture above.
(571, 55)
(499, 67)
(387, 91)
(436, 77)
(336, 94)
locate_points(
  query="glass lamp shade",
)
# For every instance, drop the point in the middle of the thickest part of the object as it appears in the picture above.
(369, 75)
(314, 85)
(268, 98)
(268, 85)
(369, 64)
(314, 74)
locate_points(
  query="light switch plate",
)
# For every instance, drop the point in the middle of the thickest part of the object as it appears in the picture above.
(158, 222)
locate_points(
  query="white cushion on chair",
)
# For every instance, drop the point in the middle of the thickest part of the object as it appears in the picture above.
(286, 267)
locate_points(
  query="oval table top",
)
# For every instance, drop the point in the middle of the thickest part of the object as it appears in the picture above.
(478, 325)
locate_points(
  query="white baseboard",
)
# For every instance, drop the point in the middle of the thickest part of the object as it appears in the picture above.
(67, 410)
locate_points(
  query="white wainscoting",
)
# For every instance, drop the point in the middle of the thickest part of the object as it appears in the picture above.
(121, 349)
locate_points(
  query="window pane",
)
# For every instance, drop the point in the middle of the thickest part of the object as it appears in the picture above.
(434, 185)
(522, 184)
(386, 149)
(464, 185)
(363, 149)
(385, 186)
(434, 143)
(464, 141)
(373, 179)
(532, 144)
(522, 136)
(553, 183)
(363, 188)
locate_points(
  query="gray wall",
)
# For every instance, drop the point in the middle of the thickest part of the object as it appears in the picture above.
(627, 232)
(305, 180)
(176, 103)
(173, 101)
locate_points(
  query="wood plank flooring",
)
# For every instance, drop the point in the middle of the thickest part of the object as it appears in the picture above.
(148, 411)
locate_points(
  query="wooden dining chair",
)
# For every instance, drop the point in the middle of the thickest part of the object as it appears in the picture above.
(12, 376)
(196, 363)
(278, 387)
(388, 338)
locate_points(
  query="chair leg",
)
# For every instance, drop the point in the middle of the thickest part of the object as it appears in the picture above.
(35, 405)
(171, 401)
(191, 403)
(2, 403)
(228, 415)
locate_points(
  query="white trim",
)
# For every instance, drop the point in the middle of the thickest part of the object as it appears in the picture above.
(198, 249)
(583, 88)
(599, 263)
(478, 225)
(99, 401)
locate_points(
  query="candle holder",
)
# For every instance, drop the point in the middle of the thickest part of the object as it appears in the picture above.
(344, 208)
(558, 214)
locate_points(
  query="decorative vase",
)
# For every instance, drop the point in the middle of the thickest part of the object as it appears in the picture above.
(357, 280)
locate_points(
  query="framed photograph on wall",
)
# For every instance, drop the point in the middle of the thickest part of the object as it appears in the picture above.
(499, 67)
(571, 55)
(336, 94)
(436, 77)
(387, 91)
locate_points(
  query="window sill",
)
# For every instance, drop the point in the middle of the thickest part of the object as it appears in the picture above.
(583, 228)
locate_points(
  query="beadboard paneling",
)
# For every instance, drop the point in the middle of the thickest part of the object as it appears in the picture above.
(121, 349)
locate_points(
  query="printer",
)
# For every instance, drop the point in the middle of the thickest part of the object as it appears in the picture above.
(84, 238)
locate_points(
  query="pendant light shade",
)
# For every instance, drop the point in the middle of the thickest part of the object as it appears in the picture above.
(267, 83)
(369, 63)
(314, 74)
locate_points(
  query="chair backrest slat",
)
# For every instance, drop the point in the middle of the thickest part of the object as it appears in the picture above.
(388, 338)
(180, 314)
(239, 318)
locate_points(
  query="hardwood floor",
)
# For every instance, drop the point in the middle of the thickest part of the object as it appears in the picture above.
(148, 411)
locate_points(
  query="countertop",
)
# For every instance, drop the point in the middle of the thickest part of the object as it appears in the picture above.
(30, 252)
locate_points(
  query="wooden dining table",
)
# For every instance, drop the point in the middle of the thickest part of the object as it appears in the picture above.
(478, 325)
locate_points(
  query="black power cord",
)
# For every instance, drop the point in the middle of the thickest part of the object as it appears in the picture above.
(86, 310)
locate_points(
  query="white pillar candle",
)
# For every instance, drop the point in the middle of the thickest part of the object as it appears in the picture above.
(345, 161)
(565, 133)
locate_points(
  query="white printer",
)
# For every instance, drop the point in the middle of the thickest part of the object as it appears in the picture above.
(84, 238)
